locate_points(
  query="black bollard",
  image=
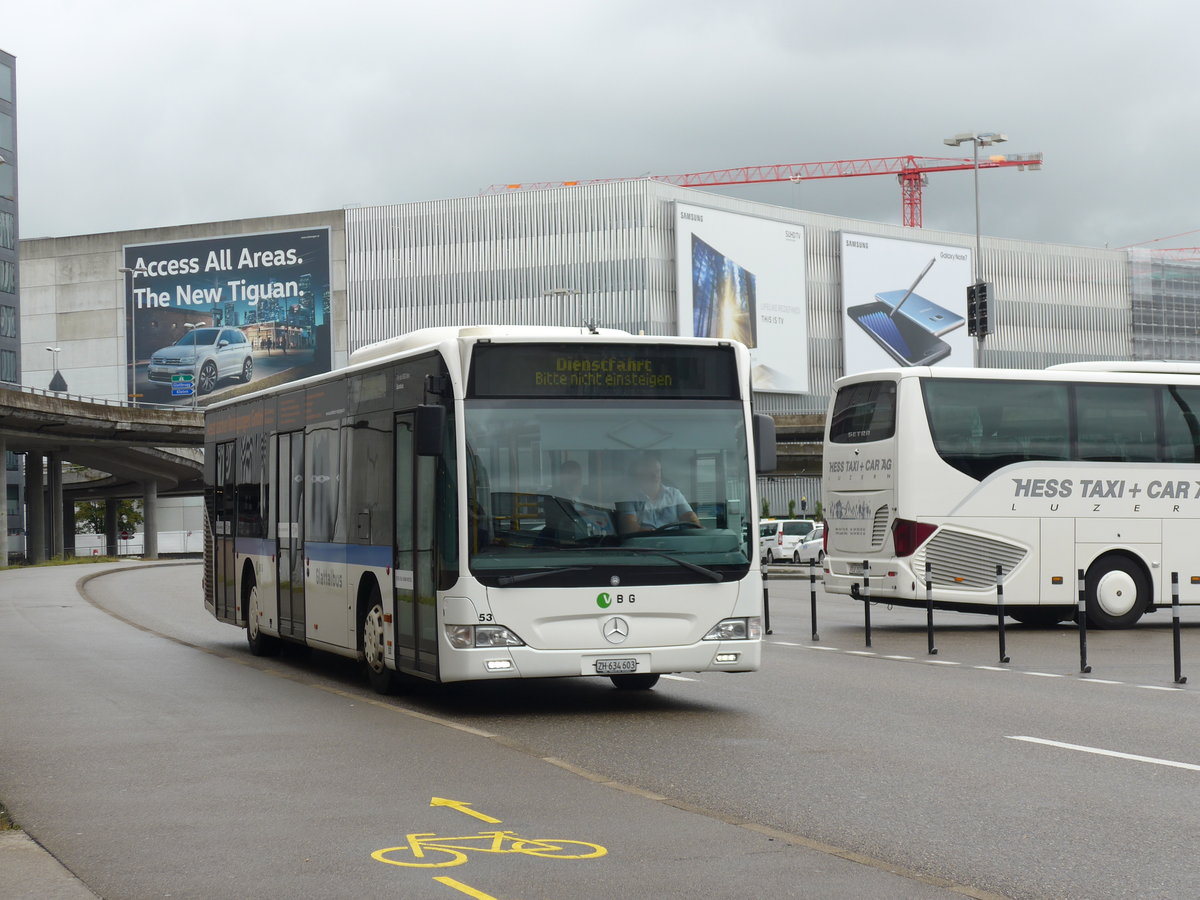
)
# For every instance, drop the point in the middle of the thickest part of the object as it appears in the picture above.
(812, 599)
(1000, 611)
(766, 603)
(867, 599)
(1081, 618)
(1179, 678)
(929, 607)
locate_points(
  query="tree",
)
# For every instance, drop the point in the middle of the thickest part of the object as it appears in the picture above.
(89, 516)
(766, 508)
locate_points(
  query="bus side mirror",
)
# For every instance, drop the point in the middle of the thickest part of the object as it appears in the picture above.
(764, 443)
(430, 427)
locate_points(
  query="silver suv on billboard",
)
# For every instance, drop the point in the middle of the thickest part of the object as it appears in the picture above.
(208, 355)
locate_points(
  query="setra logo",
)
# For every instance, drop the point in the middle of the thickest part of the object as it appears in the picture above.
(603, 600)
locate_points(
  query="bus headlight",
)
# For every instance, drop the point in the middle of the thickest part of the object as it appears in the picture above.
(463, 637)
(748, 629)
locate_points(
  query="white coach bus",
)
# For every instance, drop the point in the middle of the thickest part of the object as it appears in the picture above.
(486, 502)
(1088, 466)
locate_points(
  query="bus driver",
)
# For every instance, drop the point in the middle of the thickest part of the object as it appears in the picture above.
(656, 504)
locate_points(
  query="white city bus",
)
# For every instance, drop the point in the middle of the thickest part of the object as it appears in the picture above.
(461, 503)
(1089, 466)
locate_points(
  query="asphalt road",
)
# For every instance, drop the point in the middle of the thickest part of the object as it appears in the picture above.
(186, 767)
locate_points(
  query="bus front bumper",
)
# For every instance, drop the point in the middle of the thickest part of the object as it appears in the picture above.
(527, 662)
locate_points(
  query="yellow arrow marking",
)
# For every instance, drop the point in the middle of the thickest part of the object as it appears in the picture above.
(466, 889)
(462, 807)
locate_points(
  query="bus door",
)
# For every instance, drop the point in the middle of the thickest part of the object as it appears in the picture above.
(225, 533)
(290, 533)
(415, 564)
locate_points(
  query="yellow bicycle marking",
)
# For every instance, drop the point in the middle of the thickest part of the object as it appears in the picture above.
(421, 844)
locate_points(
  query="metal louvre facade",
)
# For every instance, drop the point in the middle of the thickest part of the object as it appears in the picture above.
(605, 253)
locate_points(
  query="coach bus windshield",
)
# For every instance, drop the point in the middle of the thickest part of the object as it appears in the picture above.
(568, 493)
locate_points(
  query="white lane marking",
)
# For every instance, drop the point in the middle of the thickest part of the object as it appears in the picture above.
(1099, 752)
(1100, 681)
(861, 653)
(1156, 687)
(786, 644)
(940, 662)
(678, 678)
(818, 647)
(899, 657)
(1043, 674)
(992, 668)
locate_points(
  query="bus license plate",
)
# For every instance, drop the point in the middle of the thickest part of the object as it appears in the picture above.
(855, 568)
(615, 666)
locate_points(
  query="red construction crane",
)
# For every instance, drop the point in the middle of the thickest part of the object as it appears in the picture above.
(911, 171)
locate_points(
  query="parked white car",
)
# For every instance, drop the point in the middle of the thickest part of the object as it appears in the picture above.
(812, 548)
(778, 539)
(207, 355)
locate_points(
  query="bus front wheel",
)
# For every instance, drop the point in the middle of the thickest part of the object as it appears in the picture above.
(371, 639)
(641, 682)
(1117, 592)
(260, 644)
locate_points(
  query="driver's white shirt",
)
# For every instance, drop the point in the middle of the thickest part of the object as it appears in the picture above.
(669, 506)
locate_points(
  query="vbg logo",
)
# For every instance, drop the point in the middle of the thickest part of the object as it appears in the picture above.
(604, 601)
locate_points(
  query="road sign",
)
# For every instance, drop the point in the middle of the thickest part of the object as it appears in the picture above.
(182, 386)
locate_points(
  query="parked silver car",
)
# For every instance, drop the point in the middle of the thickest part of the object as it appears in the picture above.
(206, 354)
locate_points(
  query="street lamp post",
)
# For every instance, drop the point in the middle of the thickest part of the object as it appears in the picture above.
(130, 274)
(977, 139)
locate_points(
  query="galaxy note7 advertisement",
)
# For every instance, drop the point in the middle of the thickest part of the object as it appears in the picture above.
(742, 278)
(217, 316)
(904, 303)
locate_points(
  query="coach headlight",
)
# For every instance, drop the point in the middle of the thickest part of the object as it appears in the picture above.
(748, 629)
(463, 637)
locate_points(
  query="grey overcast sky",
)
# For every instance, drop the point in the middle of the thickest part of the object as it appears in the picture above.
(138, 114)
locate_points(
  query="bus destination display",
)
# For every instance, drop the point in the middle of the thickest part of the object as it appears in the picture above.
(570, 370)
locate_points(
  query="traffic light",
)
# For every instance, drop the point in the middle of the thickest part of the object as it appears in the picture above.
(978, 323)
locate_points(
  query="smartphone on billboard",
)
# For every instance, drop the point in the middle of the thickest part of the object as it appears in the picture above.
(903, 340)
(921, 311)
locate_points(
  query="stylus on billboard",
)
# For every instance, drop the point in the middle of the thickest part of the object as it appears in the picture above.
(908, 293)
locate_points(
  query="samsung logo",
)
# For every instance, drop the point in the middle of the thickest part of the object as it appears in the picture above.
(691, 217)
(861, 245)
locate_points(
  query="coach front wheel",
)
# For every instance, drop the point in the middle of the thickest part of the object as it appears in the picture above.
(634, 682)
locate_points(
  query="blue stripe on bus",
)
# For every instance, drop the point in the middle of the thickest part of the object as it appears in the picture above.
(245, 546)
(350, 554)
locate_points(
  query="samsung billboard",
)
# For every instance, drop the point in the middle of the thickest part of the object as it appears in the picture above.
(904, 303)
(742, 277)
(204, 316)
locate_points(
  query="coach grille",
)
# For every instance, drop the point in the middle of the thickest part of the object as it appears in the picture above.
(966, 560)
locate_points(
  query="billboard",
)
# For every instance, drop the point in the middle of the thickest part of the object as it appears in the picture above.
(742, 277)
(904, 303)
(215, 313)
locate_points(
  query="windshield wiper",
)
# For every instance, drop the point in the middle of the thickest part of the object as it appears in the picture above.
(646, 551)
(530, 576)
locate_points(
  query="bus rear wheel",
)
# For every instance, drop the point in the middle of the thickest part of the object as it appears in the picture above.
(634, 682)
(1117, 592)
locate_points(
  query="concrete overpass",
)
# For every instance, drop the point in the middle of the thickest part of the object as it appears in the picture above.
(145, 451)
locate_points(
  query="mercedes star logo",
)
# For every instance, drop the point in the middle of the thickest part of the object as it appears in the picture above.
(616, 630)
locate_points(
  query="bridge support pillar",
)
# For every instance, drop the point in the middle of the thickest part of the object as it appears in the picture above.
(150, 516)
(35, 510)
(111, 508)
(54, 475)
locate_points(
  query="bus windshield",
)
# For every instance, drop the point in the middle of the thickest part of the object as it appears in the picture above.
(640, 491)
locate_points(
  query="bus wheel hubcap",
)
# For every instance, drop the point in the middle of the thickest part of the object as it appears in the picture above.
(1116, 593)
(373, 638)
